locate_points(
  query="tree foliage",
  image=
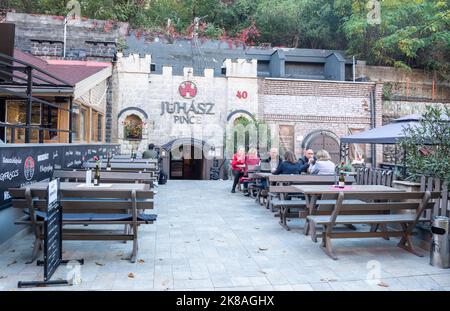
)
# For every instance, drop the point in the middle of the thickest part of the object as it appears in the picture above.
(411, 33)
(427, 147)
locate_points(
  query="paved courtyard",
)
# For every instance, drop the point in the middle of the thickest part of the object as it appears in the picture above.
(207, 238)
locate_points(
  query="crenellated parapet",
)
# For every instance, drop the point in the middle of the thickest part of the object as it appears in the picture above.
(242, 68)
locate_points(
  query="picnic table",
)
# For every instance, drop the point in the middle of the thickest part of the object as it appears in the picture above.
(82, 186)
(313, 192)
(107, 176)
(128, 160)
(126, 166)
(106, 204)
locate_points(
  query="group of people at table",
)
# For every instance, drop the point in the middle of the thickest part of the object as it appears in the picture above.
(310, 163)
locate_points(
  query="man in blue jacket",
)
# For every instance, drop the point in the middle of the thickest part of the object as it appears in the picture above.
(307, 160)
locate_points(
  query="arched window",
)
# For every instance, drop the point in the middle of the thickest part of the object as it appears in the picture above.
(132, 127)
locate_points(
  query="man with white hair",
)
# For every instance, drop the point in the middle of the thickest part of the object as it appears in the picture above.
(273, 160)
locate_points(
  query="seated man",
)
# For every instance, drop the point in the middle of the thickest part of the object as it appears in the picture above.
(307, 160)
(150, 153)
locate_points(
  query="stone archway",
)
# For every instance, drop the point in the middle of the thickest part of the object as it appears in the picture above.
(136, 142)
(185, 159)
(323, 139)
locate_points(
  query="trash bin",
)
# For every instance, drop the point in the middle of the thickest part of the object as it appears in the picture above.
(439, 253)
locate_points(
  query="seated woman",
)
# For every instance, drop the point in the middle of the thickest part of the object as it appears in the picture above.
(251, 160)
(237, 166)
(323, 165)
(289, 166)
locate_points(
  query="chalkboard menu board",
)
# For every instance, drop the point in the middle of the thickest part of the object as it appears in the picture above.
(52, 231)
(21, 166)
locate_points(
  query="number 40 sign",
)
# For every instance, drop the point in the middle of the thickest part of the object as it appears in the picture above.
(242, 94)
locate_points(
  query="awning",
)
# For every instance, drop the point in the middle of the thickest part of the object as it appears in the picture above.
(388, 134)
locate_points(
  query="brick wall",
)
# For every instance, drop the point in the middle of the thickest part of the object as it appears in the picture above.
(337, 107)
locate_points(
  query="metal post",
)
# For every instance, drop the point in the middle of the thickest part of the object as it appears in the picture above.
(372, 125)
(29, 104)
(354, 69)
(70, 119)
(41, 119)
(65, 37)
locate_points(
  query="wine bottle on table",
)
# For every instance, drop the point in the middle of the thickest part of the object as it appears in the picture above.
(108, 164)
(97, 175)
(341, 180)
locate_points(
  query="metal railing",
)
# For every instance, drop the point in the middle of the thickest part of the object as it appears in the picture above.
(19, 80)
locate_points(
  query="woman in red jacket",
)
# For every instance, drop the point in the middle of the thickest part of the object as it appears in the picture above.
(251, 161)
(238, 166)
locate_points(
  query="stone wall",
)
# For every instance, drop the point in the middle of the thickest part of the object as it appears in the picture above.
(87, 39)
(168, 115)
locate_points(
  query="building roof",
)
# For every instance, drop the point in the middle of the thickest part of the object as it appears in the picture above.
(70, 71)
(200, 54)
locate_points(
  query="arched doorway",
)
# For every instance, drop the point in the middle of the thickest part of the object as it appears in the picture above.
(325, 140)
(186, 159)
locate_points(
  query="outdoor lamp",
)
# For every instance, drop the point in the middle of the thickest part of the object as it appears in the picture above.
(212, 152)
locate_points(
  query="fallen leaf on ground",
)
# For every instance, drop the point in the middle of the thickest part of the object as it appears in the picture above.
(120, 254)
(12, 263)
(263, 272)
(99, 264)
(256, 228)
(382, 284)
(131, 275)
(141, 261)
(263, 249)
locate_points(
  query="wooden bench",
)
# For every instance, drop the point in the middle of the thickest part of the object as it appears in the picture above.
(280, 194)
(295, 207)
(88, 207)
(106, 176)
(286, 180)
(374, 213)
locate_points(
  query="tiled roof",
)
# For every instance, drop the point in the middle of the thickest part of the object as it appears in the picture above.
(67, 70)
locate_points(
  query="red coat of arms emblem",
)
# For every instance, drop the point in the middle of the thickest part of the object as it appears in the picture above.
(28, 168)
(187, 89)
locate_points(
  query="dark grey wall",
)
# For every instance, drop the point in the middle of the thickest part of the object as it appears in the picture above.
(335, 68)
(305, 70)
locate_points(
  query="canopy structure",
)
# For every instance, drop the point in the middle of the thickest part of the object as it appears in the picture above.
(390, 133)
(387, 134)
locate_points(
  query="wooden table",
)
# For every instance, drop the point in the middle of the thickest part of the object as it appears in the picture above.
(129, 160)
(128, 166)
(76, 186)
(106, 176)
(313, 192)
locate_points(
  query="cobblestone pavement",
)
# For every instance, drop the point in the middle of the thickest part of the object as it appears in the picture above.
(207, 238)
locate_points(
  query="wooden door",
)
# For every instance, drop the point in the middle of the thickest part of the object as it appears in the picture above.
(325, 142)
